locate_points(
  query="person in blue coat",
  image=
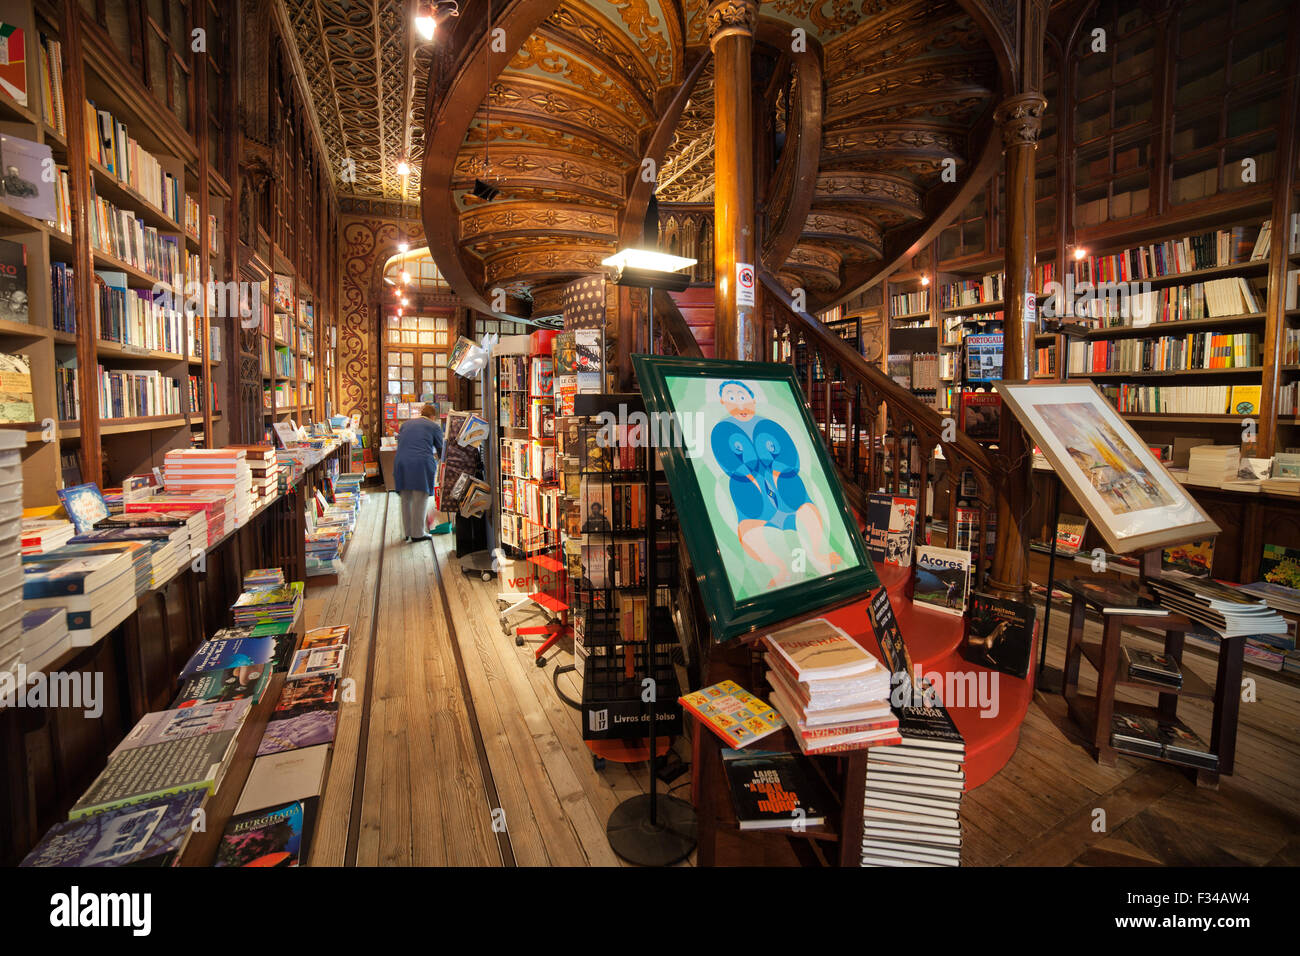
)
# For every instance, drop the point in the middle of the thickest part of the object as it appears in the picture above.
(415, 469)
(762, 462)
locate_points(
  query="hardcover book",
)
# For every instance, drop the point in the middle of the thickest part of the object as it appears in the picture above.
(818, 650)
(1281, 566)
(13, 281)
(166, 725)
(316, 662)
(1070, 530)
(891, 521)
(281, 778)
(1151, 666)
(274, 837)
(1183, 746)
(1000, 633)
(1195, 558)
(303, 728)
(776, 791)
(1136, 735)
(893, 652)
(152, 833)
(23, 183)
(942, 579)
(1113, 598)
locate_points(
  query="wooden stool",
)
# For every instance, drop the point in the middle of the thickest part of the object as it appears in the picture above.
(1093, 714)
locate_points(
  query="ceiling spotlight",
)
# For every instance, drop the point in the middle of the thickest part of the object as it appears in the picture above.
(403, 168)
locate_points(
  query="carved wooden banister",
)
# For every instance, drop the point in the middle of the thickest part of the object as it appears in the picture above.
(882, 437)
(676, 337)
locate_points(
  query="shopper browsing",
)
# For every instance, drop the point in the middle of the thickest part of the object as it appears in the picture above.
(415, 469)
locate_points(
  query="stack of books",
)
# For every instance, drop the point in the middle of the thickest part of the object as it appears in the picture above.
(140, 554)
(212, 469)
(265, 471)
(268, 604)
(44, 638)
(1227, 610)
(96, 592)
(831, 691)
(1212, 465)
(189, 529)
(912, 802)
(45, 534)
(11, 545)
(264, 578)
(1151, 666)
(214, 506)
(171, 547)
(1171, 740)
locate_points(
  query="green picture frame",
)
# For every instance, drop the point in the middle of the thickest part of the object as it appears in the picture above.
(758, 498)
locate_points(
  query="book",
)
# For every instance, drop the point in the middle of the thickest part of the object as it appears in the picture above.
(1280, 566)
(281, 778)
(246, 682)
(1070, 530)
(1195, 558)
(164, 725)
(981, 415)
(222, 653)
(273, 837)
(818, 650)
(1244, 399)
(891, 522)
(942, 579)
(1000, 633)
(17, 404)
(1158, 668)
(734, 714)
(1132, 734)
(317, 661)
(893, 651)
(23, 183)
(157, 770)
(1181, 745)
(306, 694)
(150, 833)
(13, 62)
(85, 506)
(302, 728)
(1113, 598)
(776, 791)
(13, 281)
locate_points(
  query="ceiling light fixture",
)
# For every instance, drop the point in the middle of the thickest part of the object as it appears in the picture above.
(403, 168)
(403, 246)
(925, 280)
(429, 15)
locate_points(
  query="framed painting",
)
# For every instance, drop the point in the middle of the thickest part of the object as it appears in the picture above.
(1132, 500)
(759, 503)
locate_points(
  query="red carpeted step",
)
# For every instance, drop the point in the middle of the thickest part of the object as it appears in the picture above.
(934, 640)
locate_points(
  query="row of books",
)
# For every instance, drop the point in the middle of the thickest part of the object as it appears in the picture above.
(530, 460)
(1196, 350)
(63, 310)
(119, 233)
(51, 61)
(1172, 399)
(909, 303)
(137, 393)
(1207, 250)
(111, 146)
(971, 291)
(1216, 298)
(135, 317)
(610, 506)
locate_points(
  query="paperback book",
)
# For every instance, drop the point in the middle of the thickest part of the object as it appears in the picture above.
(942, 579)
(775, 791)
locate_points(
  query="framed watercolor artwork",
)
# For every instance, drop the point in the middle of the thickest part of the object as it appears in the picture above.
(1131, 499)
(759, 502)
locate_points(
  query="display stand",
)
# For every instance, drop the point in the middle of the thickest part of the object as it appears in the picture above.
(1093, 714)
(647, 829)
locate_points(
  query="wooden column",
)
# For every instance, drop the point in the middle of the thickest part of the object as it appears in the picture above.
(83, 263)
(731, 25)
(1019, 120)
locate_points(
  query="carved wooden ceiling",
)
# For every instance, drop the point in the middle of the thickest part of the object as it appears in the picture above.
(569, 117)
(366, 79)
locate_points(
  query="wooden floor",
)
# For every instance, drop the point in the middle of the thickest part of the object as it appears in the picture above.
(457, 749)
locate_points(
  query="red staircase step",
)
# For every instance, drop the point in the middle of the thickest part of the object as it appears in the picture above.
(934, 640)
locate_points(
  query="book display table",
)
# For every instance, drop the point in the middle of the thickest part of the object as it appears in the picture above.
(1094, 713)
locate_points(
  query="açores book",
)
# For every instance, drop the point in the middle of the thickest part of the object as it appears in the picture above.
(942, 579)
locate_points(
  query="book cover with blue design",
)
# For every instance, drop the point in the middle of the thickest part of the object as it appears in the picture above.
(223, 653)
(85, 506)
(143, 834)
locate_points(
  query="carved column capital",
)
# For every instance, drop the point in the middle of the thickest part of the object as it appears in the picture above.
(728, 17)
(1020, 118)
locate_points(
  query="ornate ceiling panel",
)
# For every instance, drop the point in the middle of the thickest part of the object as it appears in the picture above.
(362, 79)
(687, 173)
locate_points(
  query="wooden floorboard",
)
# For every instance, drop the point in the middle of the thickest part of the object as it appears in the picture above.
(436, 778)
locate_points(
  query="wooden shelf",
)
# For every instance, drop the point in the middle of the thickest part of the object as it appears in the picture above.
(109, 187)
(1193, 684)
(1207, 419)
(22, 330)
(1172, 373)
(135, 278)
(979, 307)
(1196, 275)
(118, 350)
(1156, 329)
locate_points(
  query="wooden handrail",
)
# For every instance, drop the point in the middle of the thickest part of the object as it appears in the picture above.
(670, 322)
(857, 370)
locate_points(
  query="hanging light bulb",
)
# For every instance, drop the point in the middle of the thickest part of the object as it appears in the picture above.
(925, 280)
(403, 168)
(425, 25)
(406, 277)
(403, 246)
